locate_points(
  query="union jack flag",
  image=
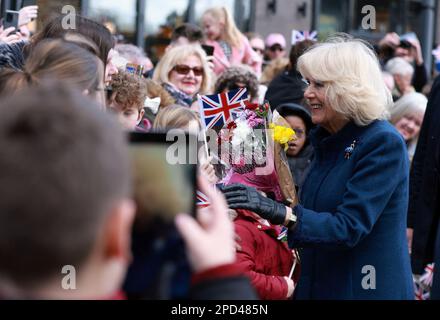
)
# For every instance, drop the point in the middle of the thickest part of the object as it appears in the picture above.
(201, 200)
(216, 109)
(298, 36)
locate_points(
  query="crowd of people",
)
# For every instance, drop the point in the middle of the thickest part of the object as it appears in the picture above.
(348, 211)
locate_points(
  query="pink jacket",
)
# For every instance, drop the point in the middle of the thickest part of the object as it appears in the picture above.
(243, 55)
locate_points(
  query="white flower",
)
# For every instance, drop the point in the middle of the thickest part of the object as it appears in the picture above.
(241, 132)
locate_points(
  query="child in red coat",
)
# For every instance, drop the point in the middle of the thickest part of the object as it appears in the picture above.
(263, 251)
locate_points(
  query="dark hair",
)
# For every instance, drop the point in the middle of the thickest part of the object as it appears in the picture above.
(93, 30)
(230, 77)
(297, 50)
(63, 163)
(57, 59)
(188, 30)
(293, 109)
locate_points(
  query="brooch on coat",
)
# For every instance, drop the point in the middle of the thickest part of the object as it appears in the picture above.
(349, 150)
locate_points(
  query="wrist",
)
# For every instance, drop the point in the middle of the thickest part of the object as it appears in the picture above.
(291, 218)
(288, 216)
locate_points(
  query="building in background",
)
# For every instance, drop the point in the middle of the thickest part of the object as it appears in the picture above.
(148, 23)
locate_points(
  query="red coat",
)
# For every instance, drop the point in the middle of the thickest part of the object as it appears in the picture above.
(266, 260)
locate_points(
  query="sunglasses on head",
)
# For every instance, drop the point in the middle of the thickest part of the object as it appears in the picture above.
(184, 69)
(276, 47)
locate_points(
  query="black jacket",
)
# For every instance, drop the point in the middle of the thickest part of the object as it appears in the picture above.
(424, 200)
(287, 87)
(435, 290)
(300, 164)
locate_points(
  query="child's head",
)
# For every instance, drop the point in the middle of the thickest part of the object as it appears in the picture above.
(177, 117)
(239, 76)
(127, 100)
(218, 24)
(65, 200)
(300, 121)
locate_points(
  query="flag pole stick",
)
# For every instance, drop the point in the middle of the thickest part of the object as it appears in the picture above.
(202, 116)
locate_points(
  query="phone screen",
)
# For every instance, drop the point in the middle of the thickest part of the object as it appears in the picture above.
(26, 3)
(161, 189)
(208, 49)
(11, 19)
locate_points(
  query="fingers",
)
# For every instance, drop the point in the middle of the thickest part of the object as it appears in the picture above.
(237, 201)
(234, 194)
(218, 203)
(27, 14)
(6, 32)
(233, 187)
(240, 205)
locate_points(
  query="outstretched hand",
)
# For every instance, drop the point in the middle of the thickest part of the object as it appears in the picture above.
(240, 196)
(210, 240)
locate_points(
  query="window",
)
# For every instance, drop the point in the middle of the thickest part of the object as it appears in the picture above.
(119, 17)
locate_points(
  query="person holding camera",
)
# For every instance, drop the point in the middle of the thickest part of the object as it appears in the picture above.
(407, 47)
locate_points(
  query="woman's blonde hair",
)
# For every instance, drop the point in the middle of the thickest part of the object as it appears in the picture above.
(408, 103)
(231, 35)
(351, 73)
(174, 117)
(177, 55)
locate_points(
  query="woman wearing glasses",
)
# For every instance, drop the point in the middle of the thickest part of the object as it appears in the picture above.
(184, 72)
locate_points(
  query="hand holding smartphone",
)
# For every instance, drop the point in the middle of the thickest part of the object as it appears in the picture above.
(209, 50)
(161, 189)
(11, 19)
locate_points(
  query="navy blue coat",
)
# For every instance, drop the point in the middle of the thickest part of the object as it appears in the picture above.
(352, 216)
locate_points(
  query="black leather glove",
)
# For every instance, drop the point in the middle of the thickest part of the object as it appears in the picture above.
(240, 196)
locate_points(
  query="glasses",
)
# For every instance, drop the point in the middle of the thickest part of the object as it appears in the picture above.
(276, 47)
(184, 69)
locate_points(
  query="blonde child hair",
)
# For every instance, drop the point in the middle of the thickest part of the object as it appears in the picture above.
(231, 34)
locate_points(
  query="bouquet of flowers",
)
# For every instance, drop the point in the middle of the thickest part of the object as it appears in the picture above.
(253, 147)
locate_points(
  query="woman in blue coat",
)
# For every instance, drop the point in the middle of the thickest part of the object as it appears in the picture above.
(351, 218)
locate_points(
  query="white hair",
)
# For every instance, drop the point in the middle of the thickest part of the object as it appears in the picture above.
(399, 66)
(351, 73)
(407, 104)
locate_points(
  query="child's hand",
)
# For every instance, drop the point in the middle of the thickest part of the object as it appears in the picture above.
(210, 241)
(207, 169)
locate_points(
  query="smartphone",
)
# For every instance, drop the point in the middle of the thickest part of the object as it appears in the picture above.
(27, 3)
(404, 43)
(208, 49)
(11, 19)
(162, 189)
